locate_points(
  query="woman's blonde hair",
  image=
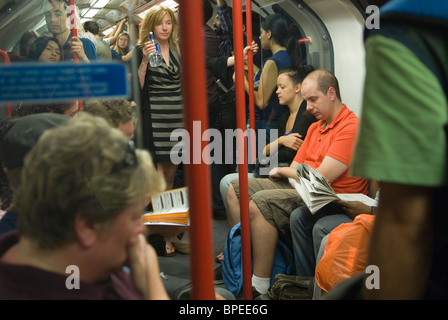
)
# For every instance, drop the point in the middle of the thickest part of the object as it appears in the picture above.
(84, 168)
(152, 18)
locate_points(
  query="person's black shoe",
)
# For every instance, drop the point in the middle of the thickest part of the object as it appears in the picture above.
(158, 243)
(255, 294)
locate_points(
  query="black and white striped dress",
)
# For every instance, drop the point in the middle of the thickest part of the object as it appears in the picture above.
(165, 100)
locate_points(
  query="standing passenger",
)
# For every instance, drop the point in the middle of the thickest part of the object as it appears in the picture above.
(281, 41)
(223, 26)
(121, 47)
(26, 41)
(102, 45)
(161, 87)
(45, 49)
(405, 92)
(214, 107)
(58, 23)
(24, 47)
(162, 110)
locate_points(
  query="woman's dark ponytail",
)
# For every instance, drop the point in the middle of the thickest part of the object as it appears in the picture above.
(293, 48)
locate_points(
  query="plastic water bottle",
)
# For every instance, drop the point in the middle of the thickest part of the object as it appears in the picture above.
(155, 57)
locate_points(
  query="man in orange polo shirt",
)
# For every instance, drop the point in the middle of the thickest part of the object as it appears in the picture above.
(327, 148)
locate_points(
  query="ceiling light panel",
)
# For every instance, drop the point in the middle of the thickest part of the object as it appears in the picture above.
(92, 12)
(101, 3)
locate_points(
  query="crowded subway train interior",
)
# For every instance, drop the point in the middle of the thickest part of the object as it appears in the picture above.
(331, 31)
(330, 36)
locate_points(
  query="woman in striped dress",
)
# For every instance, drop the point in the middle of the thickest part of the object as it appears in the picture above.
(162, 110)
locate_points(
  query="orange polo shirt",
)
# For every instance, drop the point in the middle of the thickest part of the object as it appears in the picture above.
(337, 140)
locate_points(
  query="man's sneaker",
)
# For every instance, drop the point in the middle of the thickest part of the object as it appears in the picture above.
(255, 293)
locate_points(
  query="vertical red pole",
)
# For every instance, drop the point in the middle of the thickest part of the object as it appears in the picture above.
(74, 33)
(197, 174)
(6, 61)
(242, 146)
(250, 78)
(73, 29)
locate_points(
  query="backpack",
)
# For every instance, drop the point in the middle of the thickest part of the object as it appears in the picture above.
(232, 264)
(290, 287)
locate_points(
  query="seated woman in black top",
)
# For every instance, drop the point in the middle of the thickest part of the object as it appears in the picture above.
(293, 125)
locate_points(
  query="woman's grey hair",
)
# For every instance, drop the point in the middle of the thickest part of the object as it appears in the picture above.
(85, 168)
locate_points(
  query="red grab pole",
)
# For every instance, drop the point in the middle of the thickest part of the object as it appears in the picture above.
(74, 33)
(250, 78)
(73, 29)
(6, 61)
(242, 146)
(197, 174)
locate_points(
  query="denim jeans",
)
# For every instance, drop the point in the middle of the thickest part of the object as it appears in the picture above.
(308, 230)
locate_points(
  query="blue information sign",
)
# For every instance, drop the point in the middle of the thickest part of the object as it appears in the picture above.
(62, 81)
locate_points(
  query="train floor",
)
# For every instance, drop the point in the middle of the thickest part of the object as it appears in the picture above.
(179, 264)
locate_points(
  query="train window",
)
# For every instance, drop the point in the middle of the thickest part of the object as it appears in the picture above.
(314, 38)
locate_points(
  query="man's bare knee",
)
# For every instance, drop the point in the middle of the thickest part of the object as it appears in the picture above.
(254, 211)
(233, 206)
(231, 197)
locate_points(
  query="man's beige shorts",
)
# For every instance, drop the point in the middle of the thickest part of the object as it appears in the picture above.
(275, 199)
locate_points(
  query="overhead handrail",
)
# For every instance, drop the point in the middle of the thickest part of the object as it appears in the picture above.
(242, 146)
(197, 174)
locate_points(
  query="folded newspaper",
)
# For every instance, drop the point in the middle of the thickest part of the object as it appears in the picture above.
(170, 208)
(316, 192)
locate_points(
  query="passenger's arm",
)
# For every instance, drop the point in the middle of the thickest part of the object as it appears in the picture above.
(253, 47)
(354, 208)
(268, 83)
(282, 173)
(77, 48)
(145, 271)
(143, 67)
(128, 56)
(293, 164)
(292, 141)
(403, 230)
(118, 30)
(331, 168)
